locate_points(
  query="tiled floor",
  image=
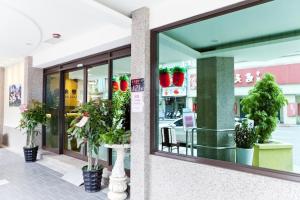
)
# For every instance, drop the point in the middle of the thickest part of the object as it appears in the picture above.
(31, 181)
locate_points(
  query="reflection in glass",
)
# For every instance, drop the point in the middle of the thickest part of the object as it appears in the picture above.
(98, 88)
(52, 102)
(121, 74)
(73, 98)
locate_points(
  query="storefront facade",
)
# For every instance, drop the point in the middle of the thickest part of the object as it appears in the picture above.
(71, 84)
(156, 173)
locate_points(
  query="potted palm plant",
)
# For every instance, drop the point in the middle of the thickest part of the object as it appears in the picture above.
(116, 135)
(245, 137)
(32, 116)
(262, 105)
(85, 127)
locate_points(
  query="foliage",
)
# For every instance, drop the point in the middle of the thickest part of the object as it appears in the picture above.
(118, 132)
(245, 136)
(262, 105)
(124, 78)
(31, 116)
(164, 70)
(178, 69)
(98, 115)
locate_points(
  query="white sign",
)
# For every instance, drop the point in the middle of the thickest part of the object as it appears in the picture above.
(137, 103)
(189, 120)
(82, 122)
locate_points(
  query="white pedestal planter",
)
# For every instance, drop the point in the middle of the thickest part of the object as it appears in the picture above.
(118, 179)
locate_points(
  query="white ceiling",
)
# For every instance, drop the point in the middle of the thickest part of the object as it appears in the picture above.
(29, 23)
(267, 19)
(127, 6)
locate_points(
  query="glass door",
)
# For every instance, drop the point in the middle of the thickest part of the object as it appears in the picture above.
(52, 100)
(98, 88)
(74, 97)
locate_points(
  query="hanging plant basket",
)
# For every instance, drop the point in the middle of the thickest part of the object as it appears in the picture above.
(124, 83)
(164, 77)
(178, 76)
(115, 84)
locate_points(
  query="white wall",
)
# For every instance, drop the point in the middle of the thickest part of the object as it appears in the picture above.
(12, 137)
(180, 180)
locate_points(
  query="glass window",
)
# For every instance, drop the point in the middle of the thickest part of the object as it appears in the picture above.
(121, 84)
(97, 82)
(52, 101)
(228, 89)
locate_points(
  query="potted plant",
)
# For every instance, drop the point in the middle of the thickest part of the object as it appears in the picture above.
(164, 77)
(262, 105)
(124, 83)
(116, 135)
(245, 137)
(115, 84)
(85, 128)
(178, 76)
(32, 116)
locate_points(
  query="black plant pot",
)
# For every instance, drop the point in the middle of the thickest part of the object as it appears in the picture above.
(30, 154)
(92, 179)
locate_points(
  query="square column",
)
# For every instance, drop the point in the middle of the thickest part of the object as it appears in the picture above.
(1, 102)
(140, 122)
(215, 99)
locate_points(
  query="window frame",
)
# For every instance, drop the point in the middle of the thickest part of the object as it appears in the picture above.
(154, 110)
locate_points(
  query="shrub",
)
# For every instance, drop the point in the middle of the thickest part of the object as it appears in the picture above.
(262, 105)
(245, 136)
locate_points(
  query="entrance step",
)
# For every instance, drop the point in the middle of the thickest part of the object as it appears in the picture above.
(69, 167)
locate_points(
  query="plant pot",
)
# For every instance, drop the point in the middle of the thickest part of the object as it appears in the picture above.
(178, 79)
(30, 154)
(124, 85)
(164, 80)
(115, 86)
(92, 179)
(118, 179)
(274, 155)
(244, 156)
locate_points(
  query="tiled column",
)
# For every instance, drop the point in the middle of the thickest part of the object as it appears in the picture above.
(140, 123)
(1, 102)
(33, 86)
(215, 95)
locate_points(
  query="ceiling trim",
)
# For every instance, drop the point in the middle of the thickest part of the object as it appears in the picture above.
(253, 42)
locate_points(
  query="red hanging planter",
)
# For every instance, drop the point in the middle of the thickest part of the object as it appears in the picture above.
(164, 77)
(124, 83)
(178, 76)
(115, 85)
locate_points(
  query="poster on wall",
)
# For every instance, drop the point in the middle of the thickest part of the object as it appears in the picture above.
(15, 94)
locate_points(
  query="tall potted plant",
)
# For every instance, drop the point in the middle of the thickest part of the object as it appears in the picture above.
(86, 127)
(178, 76)
(116, 135)
(262, 105)
(32, 116)
(245, 137)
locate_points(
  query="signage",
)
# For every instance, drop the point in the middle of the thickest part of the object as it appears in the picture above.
(137, 85)
(137, 94)
(188, 118)
(174, 91)
(284, 74)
